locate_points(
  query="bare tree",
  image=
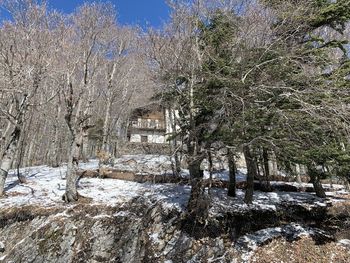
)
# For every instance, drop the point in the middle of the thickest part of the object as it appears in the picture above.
(24, 61)
(84, 49)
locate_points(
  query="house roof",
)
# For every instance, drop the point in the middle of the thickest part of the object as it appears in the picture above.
(147, 109)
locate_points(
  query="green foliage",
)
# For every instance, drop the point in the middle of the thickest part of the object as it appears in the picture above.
(332, 13)
(278, 94)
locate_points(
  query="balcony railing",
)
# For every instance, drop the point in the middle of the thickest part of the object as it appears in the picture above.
(148, 124)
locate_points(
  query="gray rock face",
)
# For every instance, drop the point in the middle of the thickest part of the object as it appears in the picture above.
(140, 231)
(144, 232)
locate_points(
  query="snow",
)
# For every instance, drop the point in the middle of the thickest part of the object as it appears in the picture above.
(155, 237)
(222, 175)
(266, 200)
(144, 164)
(121, 213)
(102, 216)
(46, 185)
(248, 243)
(344, 242)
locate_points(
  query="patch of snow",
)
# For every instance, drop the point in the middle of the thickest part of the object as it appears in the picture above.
(217, 259)
(46, 186)
(63, 214)
(344, 242)
(101, 216)
(154, 237)
(145, 164)
(121, 213)
(223, 175)
(248, 243)
(2, 247)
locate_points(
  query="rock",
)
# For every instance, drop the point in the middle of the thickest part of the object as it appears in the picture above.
(140, 231)
(2, 247)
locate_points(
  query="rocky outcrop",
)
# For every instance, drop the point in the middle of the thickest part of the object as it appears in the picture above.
(142, 230)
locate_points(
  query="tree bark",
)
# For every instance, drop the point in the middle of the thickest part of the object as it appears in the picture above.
(266, 184)
(297, 173)
(8, 157)
(251, 174)
(54, 145)
(71, 194)
(6, 133)
(210, 168)
(105, 146)
(173, 143)
(315, 179)
(198, 204)
(83, 144)
(20, 154)
(232, 174)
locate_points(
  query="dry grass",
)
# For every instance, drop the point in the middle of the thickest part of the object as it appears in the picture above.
(302, 251)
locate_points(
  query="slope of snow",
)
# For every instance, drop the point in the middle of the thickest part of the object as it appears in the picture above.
(46, 186)
(248, 243)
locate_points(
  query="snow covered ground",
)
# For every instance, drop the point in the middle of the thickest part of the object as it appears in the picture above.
(46, 186)
(161, 164)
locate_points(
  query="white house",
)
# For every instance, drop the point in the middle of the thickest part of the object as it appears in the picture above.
(148, 125)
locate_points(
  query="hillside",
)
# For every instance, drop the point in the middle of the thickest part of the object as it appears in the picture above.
(125, 221)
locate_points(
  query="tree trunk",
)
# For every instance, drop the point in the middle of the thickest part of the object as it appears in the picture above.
(8, 157)
(211, 167)
(232, 173)
(198, 204)
(315, 179)
(20, 154)
(71, 194)
(173, 142)
(28, 157)
(83, 145)
(54, 145)
(266, 184)
(5, 137)
(297, 173)
(251, 174)
(6, 133)
(105, 146)
(273, 169)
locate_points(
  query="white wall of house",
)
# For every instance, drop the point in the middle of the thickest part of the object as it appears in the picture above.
(156, 138)
(151, 138)
(135, 138)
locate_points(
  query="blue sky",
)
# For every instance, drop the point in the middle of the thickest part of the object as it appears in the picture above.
(142, 12)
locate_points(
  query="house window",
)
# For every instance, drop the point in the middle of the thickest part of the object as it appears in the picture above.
(144, 138)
